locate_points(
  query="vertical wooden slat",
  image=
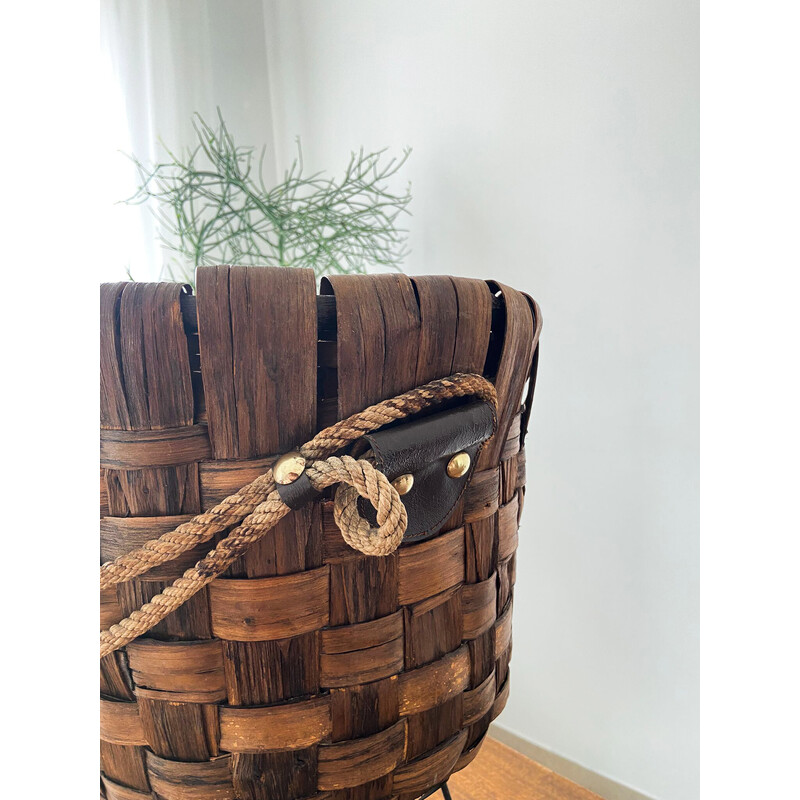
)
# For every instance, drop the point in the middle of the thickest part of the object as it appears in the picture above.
(378, 328)
(258, 349)
(438, 306)
(155, 357)
(474, 302)
(472, 332)
(514, 356)
(401, 327)
(512, 372)
(216, 359)
(113, 406)
(360, 341)
(146, 385)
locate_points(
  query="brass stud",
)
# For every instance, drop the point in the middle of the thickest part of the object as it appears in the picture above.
(403, 483)
(458, 466)
(288, 468)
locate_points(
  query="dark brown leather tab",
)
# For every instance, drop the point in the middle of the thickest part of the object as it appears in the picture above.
(424, 448)
(297, 493)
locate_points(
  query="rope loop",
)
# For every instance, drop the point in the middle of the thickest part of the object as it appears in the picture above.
(372, 485)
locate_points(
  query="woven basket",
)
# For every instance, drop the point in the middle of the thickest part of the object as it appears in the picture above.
(308, 670)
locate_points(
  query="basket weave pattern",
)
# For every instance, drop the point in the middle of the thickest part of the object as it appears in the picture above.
(308, 670)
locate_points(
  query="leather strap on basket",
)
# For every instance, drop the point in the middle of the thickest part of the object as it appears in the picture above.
(257, 507)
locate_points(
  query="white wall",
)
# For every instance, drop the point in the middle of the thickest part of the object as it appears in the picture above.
(555, 148)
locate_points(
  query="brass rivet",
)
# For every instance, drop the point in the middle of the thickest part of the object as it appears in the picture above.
(458, 466)
(403, 483)
(288, 468)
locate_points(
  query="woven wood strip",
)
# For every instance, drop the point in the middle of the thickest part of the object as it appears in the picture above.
(355, 762)
(194, 669)
(221, 479)
(361, 653)
(431, 567)
(116, 791)
(180, 780)
(119, 535)
(120, 722)
(308, 671)
(479, 701)
(282, 727)
(260, 609)
(432, 768)
(435, 683)
(501, 700)
(146, 395)
(159, 448)
(513, 369)
(478, 606)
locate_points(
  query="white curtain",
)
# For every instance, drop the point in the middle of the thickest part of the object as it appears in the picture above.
(167, 60)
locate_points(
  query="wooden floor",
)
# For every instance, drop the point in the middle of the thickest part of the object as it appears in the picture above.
(500, 773)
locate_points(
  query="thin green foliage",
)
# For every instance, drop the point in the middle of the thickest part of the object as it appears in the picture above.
(213, 207)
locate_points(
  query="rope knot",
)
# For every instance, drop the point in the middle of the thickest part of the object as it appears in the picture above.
(359, 478)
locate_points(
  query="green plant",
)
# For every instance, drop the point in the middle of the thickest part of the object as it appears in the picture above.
(213, 206)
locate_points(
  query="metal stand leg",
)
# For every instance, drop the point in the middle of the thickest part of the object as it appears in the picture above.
(443, 789)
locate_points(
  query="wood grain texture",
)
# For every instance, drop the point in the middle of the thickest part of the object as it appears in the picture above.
(347, 638)
(507, 529)
(501, 699)
(438, 308)
(119, 535)
(189, 622)
(120, 722)
(366, 708)
(115, 678)
(512, 371)
(502, 630)
(155, 357)
(478, 606)
(125, 765)
(258, 354)
(474, 302)
(351, 763)
(276, 775)
(361, 341)
(180, 780)
(430, 769)
(251, 320)
(369, 651)
(113, 405)
(257, 673)
(179, 730)
(481, 497)
(191, 668)
(363, 588)
(158, 448)
(285, 727)
(433, 627)
(153, 492)
(220, 479)
(260, 609)
(116, 791)
(149, 453)
(500, 772)
(425, 687)
(431, 567)
(478, 701)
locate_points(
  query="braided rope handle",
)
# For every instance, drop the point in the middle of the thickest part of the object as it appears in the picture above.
(257, 507)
